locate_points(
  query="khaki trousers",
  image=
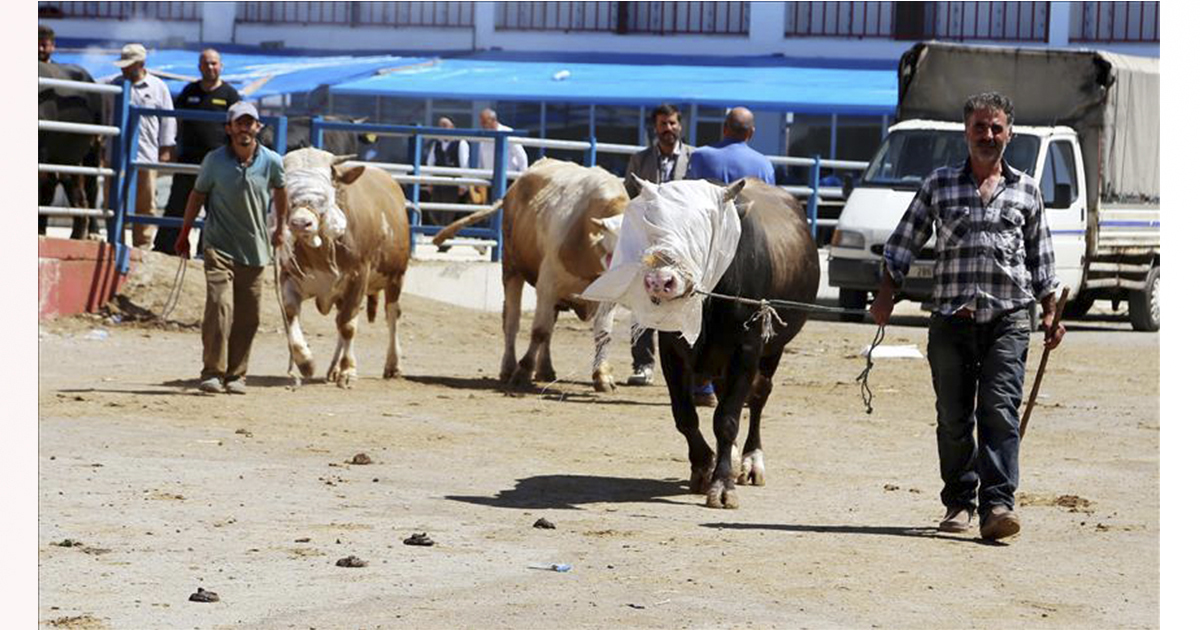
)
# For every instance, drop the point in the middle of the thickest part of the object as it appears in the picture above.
(143, 235)
(230, 316)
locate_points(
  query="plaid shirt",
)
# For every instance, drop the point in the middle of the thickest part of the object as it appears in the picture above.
(992, 257)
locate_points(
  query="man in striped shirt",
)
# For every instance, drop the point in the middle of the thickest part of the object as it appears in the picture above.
(994, 259)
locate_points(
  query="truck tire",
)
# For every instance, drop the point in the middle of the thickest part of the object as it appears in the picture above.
(1143, 305)
(1078, 307)
(853, 299)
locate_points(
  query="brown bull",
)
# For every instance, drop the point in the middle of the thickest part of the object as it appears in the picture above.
(560, 223)
(348, 239)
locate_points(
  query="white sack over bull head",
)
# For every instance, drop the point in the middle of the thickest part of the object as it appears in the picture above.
(676, 238)
(313, 214)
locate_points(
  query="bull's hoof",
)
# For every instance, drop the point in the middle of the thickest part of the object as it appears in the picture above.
(520, 378)
(701, 480)
(506, 370)
(722, 494)
(306, 368)
(391, 372)
(546, 375)
(346, 379)
(603, 381)
(754, 470)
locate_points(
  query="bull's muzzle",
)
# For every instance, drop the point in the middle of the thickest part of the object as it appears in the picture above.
(662, 285)
(305, 225)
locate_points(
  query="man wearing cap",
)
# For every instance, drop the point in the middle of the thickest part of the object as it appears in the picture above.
(156, 136)
(196, 137)
(236, 184)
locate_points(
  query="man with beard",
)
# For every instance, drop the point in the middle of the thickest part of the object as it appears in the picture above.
(994, 258)
(663, 161)
(196, 137)
(236, 184)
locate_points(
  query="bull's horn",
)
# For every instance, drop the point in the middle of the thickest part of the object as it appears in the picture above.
(733, 190)
(642, 184)
(338, 159)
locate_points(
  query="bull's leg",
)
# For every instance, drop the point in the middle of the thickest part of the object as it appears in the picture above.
(743, 368)
(678, 376)
(754, 468)
(514, 285)
(543, 325)
(343, 369)
(73, 186)
(301, 355)
(602, 324)
(545, 367)
(391, 300)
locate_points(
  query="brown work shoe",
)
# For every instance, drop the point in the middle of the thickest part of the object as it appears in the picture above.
(957, 520)
(999, 522)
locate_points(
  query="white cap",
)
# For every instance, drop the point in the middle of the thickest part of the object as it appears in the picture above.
(239, 109)
(131, 54)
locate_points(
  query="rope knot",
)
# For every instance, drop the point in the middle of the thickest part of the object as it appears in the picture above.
(769, 316)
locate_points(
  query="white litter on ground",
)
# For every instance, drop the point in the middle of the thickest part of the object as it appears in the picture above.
(893, 352)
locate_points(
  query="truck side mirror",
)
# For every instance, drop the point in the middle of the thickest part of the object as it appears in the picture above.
(847, 186)
(1062, 197)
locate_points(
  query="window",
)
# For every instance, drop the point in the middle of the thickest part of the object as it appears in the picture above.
(1059, 173)
(1114, 22)
(661, 18)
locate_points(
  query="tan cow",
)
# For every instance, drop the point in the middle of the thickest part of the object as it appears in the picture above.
(347, 239)
(560, 224)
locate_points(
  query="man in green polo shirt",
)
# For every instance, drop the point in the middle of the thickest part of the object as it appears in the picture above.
(235, 184)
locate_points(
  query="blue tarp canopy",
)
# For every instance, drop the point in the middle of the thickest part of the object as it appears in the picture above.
(756, 84)
(814, 90)
(254, 76)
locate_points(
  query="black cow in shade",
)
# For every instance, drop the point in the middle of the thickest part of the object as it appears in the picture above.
(775, 258)
(72, 149)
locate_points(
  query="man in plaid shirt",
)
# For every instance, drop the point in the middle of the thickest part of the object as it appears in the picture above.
(994, 259)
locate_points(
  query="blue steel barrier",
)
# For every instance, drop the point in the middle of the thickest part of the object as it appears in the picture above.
(125, 199)
(417, 132)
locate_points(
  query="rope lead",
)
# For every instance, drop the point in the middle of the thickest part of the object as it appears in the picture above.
(864, 386)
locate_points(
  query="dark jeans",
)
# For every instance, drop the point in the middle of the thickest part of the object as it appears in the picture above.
(642, 349)
(978, 376)
(181, 186)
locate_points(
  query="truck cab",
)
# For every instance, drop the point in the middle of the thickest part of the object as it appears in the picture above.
(915, 148)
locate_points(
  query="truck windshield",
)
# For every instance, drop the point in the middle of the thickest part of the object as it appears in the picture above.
(908, 156)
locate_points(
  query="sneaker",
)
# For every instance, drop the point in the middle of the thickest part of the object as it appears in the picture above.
(705, 395)
(641, 376)
(999, 522)
(957, 520)
(211, 385)
(237, 386)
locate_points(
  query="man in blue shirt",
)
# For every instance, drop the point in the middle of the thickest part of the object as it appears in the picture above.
(236, 184)
(732, 159)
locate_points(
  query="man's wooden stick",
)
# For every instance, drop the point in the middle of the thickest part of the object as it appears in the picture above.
(1037, 382)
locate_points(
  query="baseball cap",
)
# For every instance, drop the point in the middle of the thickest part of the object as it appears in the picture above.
(239, 109)
(131, 54)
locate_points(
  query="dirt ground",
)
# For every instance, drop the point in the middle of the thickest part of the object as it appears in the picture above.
(161, 490)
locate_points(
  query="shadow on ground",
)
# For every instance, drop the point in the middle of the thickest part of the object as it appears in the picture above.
(871, 530)
(568, 492)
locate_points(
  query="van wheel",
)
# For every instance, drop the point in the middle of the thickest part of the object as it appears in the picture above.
(852, 299)
(1143, 305)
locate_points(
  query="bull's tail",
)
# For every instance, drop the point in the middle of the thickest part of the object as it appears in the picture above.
(453, 228)
(372, 306)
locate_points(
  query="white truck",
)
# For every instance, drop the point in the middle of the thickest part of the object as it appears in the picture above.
(1087, 130)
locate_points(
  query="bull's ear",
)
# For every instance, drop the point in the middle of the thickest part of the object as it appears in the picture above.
(732, 191)
(610, 224)
(348, 175)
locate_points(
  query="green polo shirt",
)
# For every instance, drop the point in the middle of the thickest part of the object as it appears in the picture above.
(239, 196)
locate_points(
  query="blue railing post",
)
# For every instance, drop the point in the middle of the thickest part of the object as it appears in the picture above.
(281, 135)
(814, 200)
(128, 196)
(414, 217)
(499, 187)
(590, 157)
(116, 188)
(317, 133)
